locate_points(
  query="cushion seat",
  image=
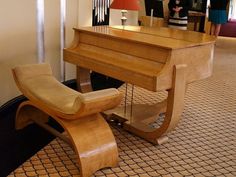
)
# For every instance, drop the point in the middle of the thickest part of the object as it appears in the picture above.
(44, 89)
(48, 90)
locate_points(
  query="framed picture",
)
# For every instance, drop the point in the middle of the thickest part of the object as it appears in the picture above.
(197, 5)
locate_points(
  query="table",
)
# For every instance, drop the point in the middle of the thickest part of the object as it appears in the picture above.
(195, 17)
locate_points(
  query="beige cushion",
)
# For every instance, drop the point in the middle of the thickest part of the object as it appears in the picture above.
(37, 83)
(48, 90)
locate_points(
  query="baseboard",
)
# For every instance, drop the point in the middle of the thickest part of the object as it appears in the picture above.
(18, 145)
(11, 105)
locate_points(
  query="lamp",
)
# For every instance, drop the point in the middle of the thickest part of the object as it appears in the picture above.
(125, 5)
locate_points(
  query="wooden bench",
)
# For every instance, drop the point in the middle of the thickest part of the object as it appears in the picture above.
(88, 132)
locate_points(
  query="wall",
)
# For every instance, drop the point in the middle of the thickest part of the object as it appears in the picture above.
(85, 13)
(18, 39)
(232, 9)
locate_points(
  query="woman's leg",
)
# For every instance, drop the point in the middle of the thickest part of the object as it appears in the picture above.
(217, 29)
(213, 26)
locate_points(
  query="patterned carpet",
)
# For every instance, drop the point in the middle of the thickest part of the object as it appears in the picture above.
(203, 144)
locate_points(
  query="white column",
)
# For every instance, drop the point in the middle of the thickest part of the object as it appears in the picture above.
(62, 37)
(40, 31)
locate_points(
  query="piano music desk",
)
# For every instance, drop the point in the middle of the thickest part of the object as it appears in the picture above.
(154, 58)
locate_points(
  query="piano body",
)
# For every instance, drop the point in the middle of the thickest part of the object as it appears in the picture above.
(154, 58)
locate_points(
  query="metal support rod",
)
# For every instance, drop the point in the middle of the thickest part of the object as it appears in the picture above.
(53, 131)
(126, 95)
(131, 102)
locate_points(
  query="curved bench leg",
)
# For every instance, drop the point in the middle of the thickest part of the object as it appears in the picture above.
(93, 142)
(90, 136)
(26, 112)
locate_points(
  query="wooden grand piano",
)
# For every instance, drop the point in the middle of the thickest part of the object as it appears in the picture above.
(153, 58)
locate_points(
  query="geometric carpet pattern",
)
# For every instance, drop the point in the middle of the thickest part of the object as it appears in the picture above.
(203, 144)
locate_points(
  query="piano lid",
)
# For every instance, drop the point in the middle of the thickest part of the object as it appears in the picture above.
(158, 36)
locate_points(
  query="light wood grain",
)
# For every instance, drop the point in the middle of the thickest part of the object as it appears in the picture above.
(156, 21)
(148, 54)
(79, 114)
(154, 58)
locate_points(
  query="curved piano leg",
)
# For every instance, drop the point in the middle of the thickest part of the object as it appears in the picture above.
(83, 80)
(138, 122)
(175, 105)
(90, 137)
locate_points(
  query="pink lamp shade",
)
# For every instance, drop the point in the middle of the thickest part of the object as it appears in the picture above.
(125, 4)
